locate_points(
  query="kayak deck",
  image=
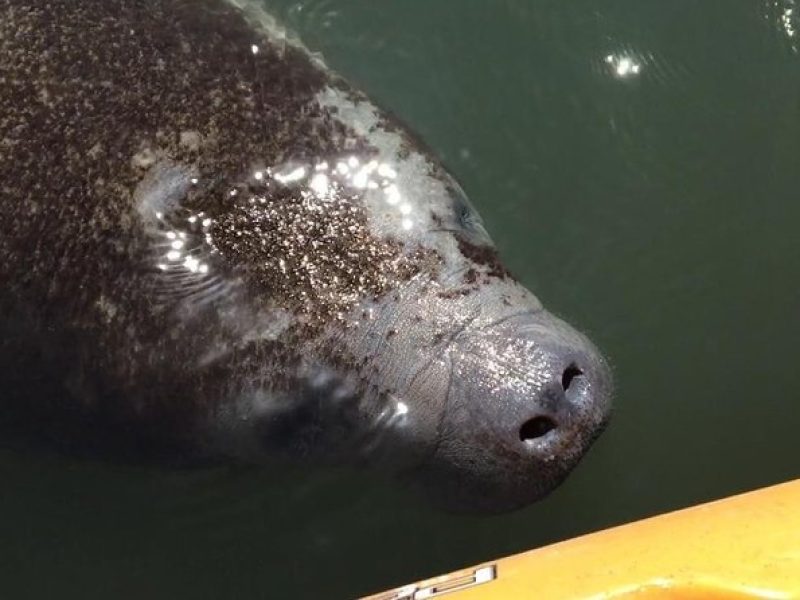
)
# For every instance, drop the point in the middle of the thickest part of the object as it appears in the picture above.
(739, 548)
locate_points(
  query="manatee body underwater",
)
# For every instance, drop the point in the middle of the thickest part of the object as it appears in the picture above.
(214, 250)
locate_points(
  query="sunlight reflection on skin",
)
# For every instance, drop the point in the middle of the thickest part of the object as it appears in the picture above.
(314, 182)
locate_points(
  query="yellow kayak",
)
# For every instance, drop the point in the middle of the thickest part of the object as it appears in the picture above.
(743, 547)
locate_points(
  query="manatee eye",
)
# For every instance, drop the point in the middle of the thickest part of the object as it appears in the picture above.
(463, 212)
(466, 217)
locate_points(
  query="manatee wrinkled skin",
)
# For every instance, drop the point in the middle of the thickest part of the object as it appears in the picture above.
(212, 249)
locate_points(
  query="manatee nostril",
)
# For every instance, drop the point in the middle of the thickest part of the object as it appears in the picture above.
(535, 428)
(570, 373)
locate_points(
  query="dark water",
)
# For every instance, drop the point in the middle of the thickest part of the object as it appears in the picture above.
(638, 165)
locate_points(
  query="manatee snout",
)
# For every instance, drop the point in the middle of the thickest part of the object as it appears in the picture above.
(527, 398)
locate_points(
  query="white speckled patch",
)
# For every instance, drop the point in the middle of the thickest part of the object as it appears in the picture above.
(276, 33)
(401, 194)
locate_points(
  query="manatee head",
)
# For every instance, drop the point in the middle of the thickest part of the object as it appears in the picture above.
(451, 373)
(487, 400)
(371, 320)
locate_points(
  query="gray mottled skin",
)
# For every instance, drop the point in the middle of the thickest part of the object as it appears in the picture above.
(212, 249)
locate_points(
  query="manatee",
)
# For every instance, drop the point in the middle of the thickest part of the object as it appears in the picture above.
(214, 250)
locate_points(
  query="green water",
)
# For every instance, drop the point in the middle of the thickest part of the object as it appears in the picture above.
(657, 209)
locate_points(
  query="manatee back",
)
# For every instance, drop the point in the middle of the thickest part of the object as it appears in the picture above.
(94, 96)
